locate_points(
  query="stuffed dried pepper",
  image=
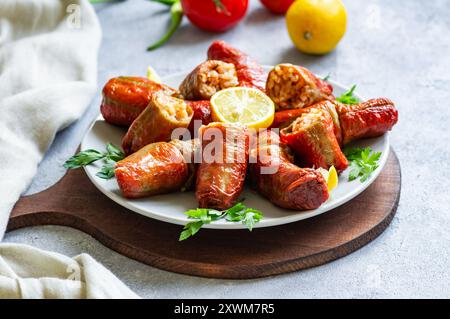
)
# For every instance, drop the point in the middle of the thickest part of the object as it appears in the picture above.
(157, 168)
(291, 86)
(249, 72)
(157, 122)
(284, 118)
(124, 98)
(208, 78)
(312, 137)
(274, 176)
(368, 119)
(221, 173)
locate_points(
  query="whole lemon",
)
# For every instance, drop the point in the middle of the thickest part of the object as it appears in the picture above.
(316, 26)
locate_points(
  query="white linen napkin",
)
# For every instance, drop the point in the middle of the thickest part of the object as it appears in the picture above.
(27, 272)
(48, 75)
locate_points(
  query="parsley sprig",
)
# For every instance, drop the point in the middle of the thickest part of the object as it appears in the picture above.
(363, 162)
(203, 216)
(348, 97)
(112, 155)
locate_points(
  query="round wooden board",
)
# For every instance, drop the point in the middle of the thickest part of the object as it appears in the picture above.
(235, 254)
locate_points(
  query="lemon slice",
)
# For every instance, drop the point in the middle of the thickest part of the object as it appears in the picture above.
(330, 176)
(247, 106)
(153, 75)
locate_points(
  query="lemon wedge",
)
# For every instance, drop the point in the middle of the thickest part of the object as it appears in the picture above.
(330, 176)
(243, 105)
(153, 75)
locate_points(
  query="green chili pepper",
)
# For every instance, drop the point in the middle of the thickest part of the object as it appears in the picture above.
(176, 13)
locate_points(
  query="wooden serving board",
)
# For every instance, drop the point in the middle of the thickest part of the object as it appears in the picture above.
(235, 254)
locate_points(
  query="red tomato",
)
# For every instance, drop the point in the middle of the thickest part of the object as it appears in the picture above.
(277, 6)
(215, 15)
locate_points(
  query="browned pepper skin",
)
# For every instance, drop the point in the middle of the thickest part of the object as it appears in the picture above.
(202, 114)
(312, 137)
(157, 168)
(220, 180)
(249, 72)
(367, 119)
(289, 186)
(157, 122)
(124, 98)
(284, 118)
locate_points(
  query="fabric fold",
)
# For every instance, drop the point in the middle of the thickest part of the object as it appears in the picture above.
(48, 77)
(27, 272)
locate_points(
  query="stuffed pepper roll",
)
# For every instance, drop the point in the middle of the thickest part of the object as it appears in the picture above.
(124, 98)
(157, 168)
(275, 177)
(368, 119)
(157, 122)
(208, 78)
(202, 115)
(221, 173)
(291, 87)
(313, 139)
(284, 118)
(249, 72)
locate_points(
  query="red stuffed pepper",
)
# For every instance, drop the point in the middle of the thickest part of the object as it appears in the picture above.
(221, 173)
(157, 122)
(124, 98)
(368, 119)
(208, 78)
(284, 118)
(275, 177)
(312, 137)
(249, 72)
(291, 87)
(157, 168)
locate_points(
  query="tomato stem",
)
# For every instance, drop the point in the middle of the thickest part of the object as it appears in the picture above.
(220, 7)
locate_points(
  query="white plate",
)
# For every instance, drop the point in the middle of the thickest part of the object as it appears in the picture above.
(170, 207)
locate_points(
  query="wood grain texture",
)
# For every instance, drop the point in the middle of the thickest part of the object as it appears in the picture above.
(235, 254)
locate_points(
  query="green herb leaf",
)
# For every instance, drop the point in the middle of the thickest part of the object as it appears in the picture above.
(348, 97)
(196, 213)
(327, 77)
(237, 213)
(107, 170)
(190, 230)
(353, 153)
(252, 216)
(83, 158)
(363, 162)
(112, 155)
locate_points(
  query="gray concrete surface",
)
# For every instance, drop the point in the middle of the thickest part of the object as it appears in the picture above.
(398, 49)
